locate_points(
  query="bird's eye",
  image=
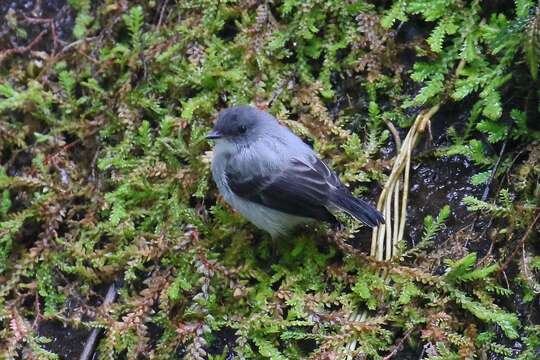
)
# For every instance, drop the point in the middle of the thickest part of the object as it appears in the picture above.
(242, 129)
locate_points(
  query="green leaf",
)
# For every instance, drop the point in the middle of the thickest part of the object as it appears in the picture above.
(422, 71)
(268, 350)
(313, 48)
(496, 131)
(396, 12)
(481, 273)
(430, 9)
(481, 178)
(42, 138)
(82, 21)
(6, 90)
(445, 26)
(474, 204)
(5, 204)
(408, 291)
(523, 7)
(521, 128)
(68, 83)
(432, 88)
(469, 50)
(134, 21)
(507, 321)
(361, 289)
(459, 268)
(432, 227)
(492, 106)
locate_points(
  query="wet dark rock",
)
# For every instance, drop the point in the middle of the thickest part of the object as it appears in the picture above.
(224, 340)
(30, 15)
(436, 182)
(229, 30)
(66, 341)
(20, 161)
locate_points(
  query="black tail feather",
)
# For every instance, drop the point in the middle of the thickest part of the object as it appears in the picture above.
(357, 208)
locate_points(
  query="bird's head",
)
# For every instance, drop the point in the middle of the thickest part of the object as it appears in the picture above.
(241, 125)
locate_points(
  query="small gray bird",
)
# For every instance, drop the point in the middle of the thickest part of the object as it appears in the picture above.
(273, 178)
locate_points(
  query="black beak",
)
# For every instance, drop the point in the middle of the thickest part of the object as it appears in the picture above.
(214, 134)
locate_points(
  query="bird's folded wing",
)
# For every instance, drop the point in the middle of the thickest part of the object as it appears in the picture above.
(302, 188)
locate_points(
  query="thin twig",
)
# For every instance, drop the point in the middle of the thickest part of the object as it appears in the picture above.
(75, 43)
(395, 133)
(401, 229)
(21, 50)
(37, 307)
(278, 91)
(399, 345)
(397, 141)
(91, 342)
(50, 23)
(494, 170)
(521, 242)
(64, 148)
(529, 278)
(161, 13)
(482, 234)
(346, 248)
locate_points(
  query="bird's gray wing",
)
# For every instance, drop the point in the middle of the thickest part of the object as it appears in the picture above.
(302, 188)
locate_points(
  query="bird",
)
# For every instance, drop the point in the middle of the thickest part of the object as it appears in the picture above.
(275, 180)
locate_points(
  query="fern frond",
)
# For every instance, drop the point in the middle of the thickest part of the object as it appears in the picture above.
(531, 46)
(433, 88)
(431, 10)
(134, 21)
(459, 268)
(396, 12)
(68, 83)
(444, 27)
(433, 226)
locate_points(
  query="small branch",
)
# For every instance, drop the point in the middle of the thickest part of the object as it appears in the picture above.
(161, 13)
(76, 43)
(482, 234)
(395, 134)
(21, 50)
(349, 249)
(521, 242)
(494, 170)
(278, 91)
(37, 308)
(36, 20)
(90, 345)
(399, 345)
(64, 148)
(50, 23)
(529, 278)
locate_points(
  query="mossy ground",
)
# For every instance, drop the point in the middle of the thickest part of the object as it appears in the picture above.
(104, 178)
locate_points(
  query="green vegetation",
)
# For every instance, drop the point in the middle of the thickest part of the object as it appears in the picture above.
(104, 177)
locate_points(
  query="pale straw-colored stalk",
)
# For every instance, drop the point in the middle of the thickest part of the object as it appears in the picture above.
(388, 236)
(385, 238)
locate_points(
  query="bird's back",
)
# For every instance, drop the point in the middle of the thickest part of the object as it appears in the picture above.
(277, 181)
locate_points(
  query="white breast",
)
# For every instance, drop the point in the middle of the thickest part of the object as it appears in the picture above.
(275, 222)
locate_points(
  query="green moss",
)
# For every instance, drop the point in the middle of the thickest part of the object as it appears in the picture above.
(104, 177)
